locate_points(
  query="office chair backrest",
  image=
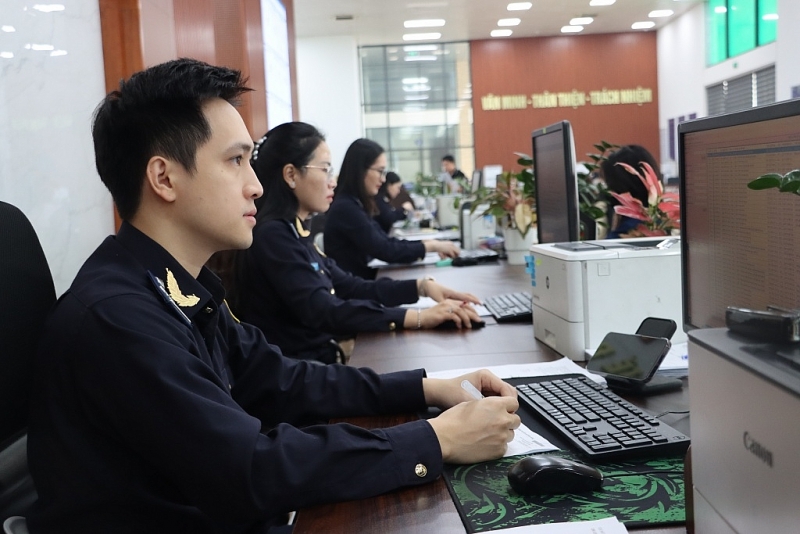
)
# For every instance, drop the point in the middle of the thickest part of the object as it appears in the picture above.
(26, 294)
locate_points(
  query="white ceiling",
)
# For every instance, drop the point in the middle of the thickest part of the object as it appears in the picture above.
(381, 21)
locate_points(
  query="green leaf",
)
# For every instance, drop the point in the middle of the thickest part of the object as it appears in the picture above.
(766, 181)
(789, 185)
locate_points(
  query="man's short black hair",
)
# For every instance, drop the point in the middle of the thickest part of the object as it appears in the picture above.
(449, 158)
(157, 112)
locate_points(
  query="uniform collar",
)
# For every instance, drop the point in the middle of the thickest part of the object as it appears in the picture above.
(186, 294)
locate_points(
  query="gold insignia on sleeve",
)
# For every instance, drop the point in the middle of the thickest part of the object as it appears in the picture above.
(300, 230)
(184, 301)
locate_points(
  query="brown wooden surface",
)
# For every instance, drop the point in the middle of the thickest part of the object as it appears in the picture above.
(429, 508)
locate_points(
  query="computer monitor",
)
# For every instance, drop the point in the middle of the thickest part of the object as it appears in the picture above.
(556, 184)
(475, 184)
(740, 247)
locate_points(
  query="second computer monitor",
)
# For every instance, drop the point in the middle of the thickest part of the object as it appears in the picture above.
(556, 184)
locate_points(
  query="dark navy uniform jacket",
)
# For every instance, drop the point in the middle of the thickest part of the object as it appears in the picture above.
(353, 238)
(165, 415)
(388, 214)
(301, 299)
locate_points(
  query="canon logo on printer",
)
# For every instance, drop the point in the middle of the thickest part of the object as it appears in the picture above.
(757, 449)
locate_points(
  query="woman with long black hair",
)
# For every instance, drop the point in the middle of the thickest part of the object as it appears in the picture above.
(301, 300)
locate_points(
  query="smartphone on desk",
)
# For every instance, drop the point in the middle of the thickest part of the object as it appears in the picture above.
(657, 327)
(628, 361)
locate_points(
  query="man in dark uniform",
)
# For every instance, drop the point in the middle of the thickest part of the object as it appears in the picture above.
(153, 408)
(451, 174)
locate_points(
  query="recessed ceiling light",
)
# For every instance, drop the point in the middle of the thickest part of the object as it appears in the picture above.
(420, 58)
(770, 16)
(501, 33)
(422, 36)
(48, 8)
(8, 29)
(424, 23)
(571, 29)
(6, 55)
(508, 22)
(720, 10)
(420, 48)
(658, 13)
(56, 53)
(39, 47)
(519, 6)
(601, 2)
(643, 25)
(410, 81)
(581, 21)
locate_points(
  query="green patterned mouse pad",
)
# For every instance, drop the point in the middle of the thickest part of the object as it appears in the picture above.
(640, 492)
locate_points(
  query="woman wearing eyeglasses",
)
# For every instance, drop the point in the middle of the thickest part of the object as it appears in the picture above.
(352, 236)
(299, 298)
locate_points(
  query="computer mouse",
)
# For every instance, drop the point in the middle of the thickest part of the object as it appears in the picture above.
(544, 475)
(451, 325)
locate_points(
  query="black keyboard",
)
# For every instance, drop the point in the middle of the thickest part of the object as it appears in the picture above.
(475, 256)
(510, 307)
(597, 422)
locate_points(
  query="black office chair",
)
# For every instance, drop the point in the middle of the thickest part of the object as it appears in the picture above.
(26, 294)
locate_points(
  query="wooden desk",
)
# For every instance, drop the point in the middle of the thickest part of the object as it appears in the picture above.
(429, 508)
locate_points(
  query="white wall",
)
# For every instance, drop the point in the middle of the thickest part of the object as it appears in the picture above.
(46, 155)
(329, 90)
(683, 75)
(787, 74)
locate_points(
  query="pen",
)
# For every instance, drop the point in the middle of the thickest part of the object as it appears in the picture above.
(472, 390)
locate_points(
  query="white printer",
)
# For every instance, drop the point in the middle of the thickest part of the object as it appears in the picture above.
(745, 429)
(586, 289)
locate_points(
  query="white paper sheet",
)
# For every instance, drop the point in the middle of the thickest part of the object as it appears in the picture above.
(526, 441)
(609, 525)
(564, 366)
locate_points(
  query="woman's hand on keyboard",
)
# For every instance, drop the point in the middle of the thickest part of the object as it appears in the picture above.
(438, 292)
(446, 249)
(460, 312)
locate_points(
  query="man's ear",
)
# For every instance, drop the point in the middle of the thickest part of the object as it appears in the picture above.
(159, 178)
(290, 175)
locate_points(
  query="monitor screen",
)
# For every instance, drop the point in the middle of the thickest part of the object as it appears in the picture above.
(476, 180)
(740, 247)
(556, 184)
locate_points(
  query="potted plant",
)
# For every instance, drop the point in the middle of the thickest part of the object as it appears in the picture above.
(592, 191)
(512, 202)
(662, 214)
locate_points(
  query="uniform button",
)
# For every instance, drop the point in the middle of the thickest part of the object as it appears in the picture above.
(420, 470)
(208, 309)
(333, 291)
(392, 326)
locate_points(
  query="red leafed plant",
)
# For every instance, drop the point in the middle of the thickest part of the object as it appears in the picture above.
(660, 217)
